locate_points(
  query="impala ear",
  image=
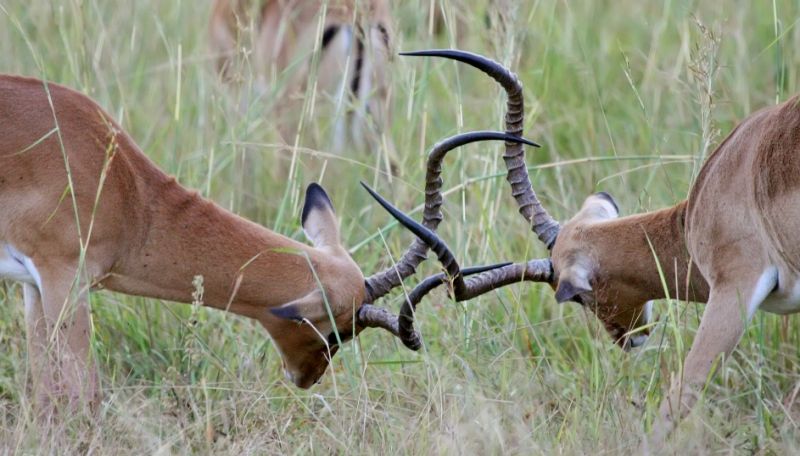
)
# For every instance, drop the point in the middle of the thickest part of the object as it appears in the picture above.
(310, 307)
(318, 219)
(568, 291)
(572, 282)
(610, 200)
(598, 207)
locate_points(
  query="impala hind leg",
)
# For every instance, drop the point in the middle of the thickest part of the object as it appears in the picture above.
(726, 315)
(59, 328)
(36, 338)
(370, 126)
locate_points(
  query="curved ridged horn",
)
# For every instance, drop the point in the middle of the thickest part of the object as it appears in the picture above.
(431, 240)
(371, 316)
(540, 270)
(406, 332)
(381, 283)
(487, 279)
(545, 227)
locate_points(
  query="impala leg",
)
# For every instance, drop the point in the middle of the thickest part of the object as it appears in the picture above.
(375, 120)
(721, 327)
(67, 371)
(41, 380)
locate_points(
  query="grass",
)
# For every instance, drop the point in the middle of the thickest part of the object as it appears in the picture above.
(626, 97)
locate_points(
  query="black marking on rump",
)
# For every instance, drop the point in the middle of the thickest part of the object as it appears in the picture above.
(316, 198)
(356, 81)
(608, 198)
(328, 35)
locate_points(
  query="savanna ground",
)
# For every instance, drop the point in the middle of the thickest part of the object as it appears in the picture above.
(625, 96)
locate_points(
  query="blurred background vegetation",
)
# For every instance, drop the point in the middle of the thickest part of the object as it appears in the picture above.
(624, 96)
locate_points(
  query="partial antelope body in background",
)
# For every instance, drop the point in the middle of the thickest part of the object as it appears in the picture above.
(734, 243)
(276, 39)
(81, 208)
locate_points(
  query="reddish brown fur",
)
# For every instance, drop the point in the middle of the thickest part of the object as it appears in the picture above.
(149, 237)
(619, 291)
(732, 244)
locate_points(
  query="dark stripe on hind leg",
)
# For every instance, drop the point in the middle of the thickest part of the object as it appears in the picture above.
(356, 81)
(384, 35)
(328, 35)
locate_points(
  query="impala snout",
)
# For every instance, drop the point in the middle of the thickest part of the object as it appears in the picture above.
(637, 340)
(301, 380)
(630, 329)
(310, 373)
(626, 340)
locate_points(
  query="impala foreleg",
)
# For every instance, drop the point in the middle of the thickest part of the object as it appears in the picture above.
(724, 320)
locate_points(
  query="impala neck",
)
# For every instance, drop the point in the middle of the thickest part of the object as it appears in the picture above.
(654, 247)
(245, 267)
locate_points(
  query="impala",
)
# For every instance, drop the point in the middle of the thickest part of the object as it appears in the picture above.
(733, 244)
(354, 45)
(81, 208)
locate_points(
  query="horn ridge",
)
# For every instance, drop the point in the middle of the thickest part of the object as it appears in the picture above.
(379, 284)
(481, 280)
(545, 227)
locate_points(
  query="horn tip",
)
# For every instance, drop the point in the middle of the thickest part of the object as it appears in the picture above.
(521, 140)
(528, 142)
(436, 53)
(375, 195)
(372, 192)
(417, 53)
(480, 269)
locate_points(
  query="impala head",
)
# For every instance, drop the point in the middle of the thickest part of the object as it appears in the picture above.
(302, 328)
(338, 303)
(581, 268)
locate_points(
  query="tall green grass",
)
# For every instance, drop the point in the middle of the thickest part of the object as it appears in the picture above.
(626, 97)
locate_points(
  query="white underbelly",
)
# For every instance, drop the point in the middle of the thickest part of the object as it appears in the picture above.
(18, 267)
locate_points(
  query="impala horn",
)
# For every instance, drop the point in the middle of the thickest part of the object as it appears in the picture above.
(379, 284)
(371, 316)
(545, 227)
